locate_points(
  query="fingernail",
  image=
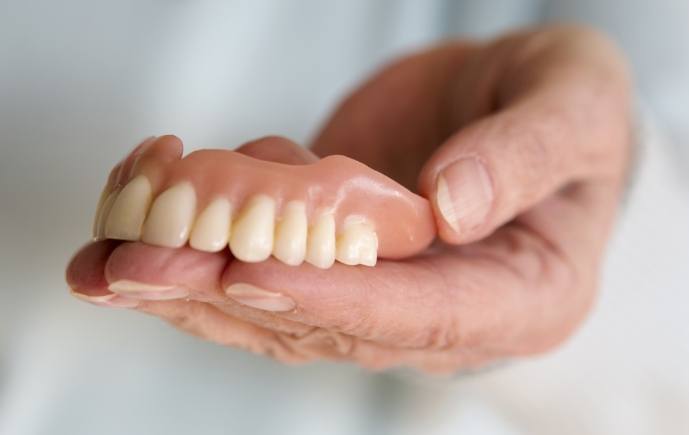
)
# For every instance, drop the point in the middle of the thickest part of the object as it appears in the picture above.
(149, 292)
(252, 296)
(108, 300)
(128, 286)
(464, 194)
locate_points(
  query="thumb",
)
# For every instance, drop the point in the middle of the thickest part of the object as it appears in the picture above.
(491, 171)
(562, 118)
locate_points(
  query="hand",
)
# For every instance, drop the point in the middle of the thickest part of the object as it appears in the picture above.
(522, 146)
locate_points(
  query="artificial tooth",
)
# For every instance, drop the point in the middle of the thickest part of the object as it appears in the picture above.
(102, 215)
(290, 234)
(212, 228)
(358, 244)
(128, 210)
(171, 217)
(368, 255)
(99, 211)
(252, 232)
(320, 249)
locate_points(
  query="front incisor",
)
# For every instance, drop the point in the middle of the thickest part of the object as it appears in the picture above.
(212, 228)
(320, 249)
(171, 217)
(128, 210)
(290, 234)
(253, 231)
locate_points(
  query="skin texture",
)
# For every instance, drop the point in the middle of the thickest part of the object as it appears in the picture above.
(402, 220)
(544, 112)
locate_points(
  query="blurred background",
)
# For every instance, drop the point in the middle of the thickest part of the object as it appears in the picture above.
(81, 82)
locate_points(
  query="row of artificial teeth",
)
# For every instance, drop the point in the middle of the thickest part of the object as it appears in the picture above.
(253, 234)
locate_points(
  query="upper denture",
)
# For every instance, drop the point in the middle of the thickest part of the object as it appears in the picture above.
(336, 208)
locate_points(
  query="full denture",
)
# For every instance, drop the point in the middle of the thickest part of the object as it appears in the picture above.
(334, 209)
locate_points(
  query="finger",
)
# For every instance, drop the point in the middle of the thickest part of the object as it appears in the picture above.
(211, 322)
(153, 156)
(521, 291)
(562, 119)
(394, 120)
(439, 302)
(553, 252)
(141, 271)
(161, 149)
(238, 326)
(490, 172)
(205, 321)
(85, 276)
(375, 356)
(394, 303)
(278, 149)
(578, 220)
(125, 166)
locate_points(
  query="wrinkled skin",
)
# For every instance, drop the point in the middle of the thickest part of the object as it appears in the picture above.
(547, 112)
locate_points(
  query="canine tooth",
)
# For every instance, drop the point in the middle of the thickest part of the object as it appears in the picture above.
(102, 215)
(290, 234)
(320, 249)
(358, 244)
(252, 232)
(212, 228)
(171, 217)
(129, 210)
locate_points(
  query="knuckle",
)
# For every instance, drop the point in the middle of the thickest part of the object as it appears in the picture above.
(535, 146)
(358, 323)
(193, 319)
(339, 343)
(282, 348)
(566, 286)
(441, 336)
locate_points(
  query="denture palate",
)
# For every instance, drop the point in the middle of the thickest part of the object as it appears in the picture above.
(335, 209)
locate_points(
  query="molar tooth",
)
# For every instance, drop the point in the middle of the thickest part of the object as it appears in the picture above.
(320, 249)
(212, 228)
(171, 217)
(290, 234)
(128, 210)
(252, 234)
(358, 244)
(102, 215)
